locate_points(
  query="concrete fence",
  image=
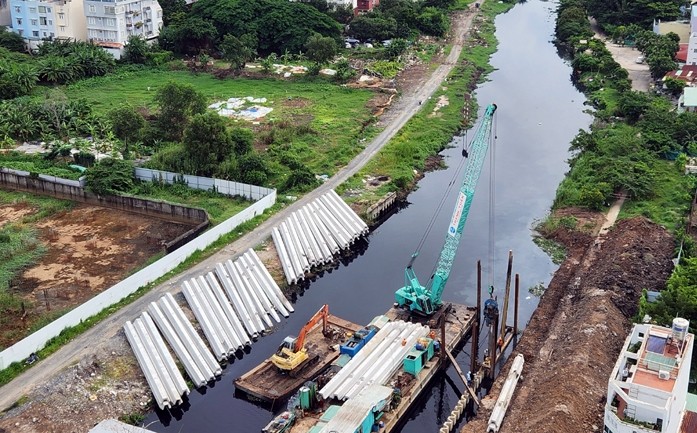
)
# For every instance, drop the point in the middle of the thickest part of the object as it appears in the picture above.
(250, 192)
(46, 185)
(36, 341)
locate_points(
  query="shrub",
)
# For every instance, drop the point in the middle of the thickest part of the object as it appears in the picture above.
(110, 177)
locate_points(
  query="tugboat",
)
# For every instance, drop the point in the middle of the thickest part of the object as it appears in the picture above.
(280, 424)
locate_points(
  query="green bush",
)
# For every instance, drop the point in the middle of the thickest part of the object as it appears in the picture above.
(110, 177)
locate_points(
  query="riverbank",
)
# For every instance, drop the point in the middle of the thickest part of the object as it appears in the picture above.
(573, 339)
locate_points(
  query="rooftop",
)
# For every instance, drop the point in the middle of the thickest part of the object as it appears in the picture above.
(690, 98)
(351, 415)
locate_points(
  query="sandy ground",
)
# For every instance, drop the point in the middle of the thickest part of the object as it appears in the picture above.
(88, 249)
(41, 390)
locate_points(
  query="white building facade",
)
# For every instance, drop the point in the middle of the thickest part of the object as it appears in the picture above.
(111, 22)
(647, 390)
(692, 42)
(36, 20)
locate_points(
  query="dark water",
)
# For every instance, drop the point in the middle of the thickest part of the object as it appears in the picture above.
(539, 112)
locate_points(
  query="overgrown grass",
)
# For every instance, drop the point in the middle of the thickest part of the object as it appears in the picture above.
(37, 164)
(671, 199)
(219, 206)
(428, 132)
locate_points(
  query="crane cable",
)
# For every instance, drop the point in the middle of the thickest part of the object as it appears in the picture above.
(492, 201)
(441, 203)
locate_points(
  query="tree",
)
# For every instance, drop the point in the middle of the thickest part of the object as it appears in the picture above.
(126, 124)
(252, 169)
(188, 35)
(679, 298)
(16, 80)
(136, 50)
(373, 25)
(433, 21)
(674, 86)
(170, 8)
(110, 177)
(178, 103)
(12, 41)
(320, 49)
(279, 25)
(207, 143)
(238, 51)
(242, 140)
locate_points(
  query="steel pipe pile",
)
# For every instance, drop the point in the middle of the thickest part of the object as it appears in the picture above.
(378, 361)
(313, 235)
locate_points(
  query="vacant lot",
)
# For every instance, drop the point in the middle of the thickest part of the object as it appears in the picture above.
(81, 250)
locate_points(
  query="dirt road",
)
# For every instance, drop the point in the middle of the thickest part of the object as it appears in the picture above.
(96, 339)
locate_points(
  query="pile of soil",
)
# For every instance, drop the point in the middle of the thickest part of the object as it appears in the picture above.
(574, 337)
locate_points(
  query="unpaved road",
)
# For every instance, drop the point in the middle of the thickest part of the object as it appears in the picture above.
(626, 56)
(89, 342)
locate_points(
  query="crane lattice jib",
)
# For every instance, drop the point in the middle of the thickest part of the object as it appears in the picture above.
(477, 154)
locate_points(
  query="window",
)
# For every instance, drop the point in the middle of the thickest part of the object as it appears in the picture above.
(35, 33)
(18, 9)
(45, 34)
(34, 22)
(91, 20)
(19, 21)
(53, 34)
(42, 9)
(109, 10)
(20, 32)
(62, 28)
(48, 10)
(110, 22)
(32, 10)
(93, 8)
(61, 16)
(43, 21)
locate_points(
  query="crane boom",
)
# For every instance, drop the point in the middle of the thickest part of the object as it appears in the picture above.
(413, 295)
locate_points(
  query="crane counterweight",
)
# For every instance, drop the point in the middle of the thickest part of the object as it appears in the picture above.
(426, 300)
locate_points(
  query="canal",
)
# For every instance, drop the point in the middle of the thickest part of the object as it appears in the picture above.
(539, 112)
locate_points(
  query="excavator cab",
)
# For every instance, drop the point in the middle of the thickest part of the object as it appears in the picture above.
(288, 343)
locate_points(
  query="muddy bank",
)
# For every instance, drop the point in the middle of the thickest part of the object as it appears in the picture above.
(575, 335)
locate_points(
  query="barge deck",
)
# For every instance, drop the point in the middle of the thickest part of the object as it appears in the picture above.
(266, 383)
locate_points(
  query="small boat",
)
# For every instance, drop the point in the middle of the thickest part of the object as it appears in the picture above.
(280, 424)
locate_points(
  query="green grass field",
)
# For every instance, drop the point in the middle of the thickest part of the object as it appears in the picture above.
(335, 116)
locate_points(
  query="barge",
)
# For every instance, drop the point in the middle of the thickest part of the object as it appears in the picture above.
(408, 359)
(267, 384)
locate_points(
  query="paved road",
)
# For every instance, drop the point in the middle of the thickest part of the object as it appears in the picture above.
(87, 343)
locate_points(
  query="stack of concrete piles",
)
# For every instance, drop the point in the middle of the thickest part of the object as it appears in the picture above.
(315, 234)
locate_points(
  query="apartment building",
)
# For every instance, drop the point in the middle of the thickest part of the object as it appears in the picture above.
(111, 22)
(35, 20)
(647, 390)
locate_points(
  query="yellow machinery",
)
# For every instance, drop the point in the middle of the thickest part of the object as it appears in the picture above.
(292, 352)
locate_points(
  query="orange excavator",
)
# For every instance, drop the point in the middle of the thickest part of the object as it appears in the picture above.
(292, 353)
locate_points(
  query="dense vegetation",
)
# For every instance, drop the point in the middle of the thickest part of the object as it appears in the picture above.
(639, 143)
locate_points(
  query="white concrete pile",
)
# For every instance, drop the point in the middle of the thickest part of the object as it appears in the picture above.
(162, 374)
(312, 235)
(198, 361)
(233, 305)
(377, 362)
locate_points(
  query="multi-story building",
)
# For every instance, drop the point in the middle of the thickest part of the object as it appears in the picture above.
(111, 22)
(36, 20)
(647, 390)
(5, 17)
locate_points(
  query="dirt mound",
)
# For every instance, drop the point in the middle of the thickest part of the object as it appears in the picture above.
(575, 335)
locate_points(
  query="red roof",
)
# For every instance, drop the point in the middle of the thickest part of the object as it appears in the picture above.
(689, 422)
(688, 73)
(681, 55)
